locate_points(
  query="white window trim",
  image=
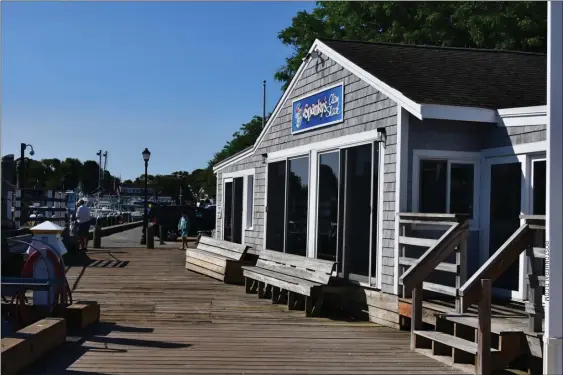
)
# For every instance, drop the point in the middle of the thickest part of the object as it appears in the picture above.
(525, 148)
(229, 177)
(245, 202)
(460, 157)
(287, 159)
(242, 173)
(327, 145)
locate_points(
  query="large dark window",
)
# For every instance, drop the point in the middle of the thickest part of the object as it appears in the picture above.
(435, 176)
(237, 209)
(461, 188)
(287, 206)
(327, 218)
(433, 185)
(357, 210)
(504, 219)
(275, 226)
(347, 210)
(540, 187)
(297, 202)
(228, 214)
(232, 220)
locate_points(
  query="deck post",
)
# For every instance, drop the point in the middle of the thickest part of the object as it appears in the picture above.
(150, 237)
(97, 236)
(461, 277)
(553, 337)
(534, 305)
(416, 313)
(484, 331)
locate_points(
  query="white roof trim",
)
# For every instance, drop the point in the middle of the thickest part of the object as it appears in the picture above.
(420, 111)
(395, 95)
(232, 159)
(272, 117)
(450, 112)
(523, 116)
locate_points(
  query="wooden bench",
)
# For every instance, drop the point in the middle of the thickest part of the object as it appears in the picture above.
(219, 259)
(286, 277)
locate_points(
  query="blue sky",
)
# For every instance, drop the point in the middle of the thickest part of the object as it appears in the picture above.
(178, 78)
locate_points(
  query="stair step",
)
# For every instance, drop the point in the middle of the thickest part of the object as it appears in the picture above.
(473, 321)
(449, 340)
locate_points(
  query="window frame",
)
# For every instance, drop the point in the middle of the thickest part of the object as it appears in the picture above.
(287, 159)
(229, 177)
(451, 157)
(249, 205)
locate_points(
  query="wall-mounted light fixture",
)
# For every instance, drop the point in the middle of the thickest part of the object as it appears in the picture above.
(264, 157)
(311, 55)
(382, 134)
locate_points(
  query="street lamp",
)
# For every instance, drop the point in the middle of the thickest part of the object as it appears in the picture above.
(23, 212)
(146, 157)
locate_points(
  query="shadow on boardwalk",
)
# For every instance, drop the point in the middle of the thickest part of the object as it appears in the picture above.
(159, 318)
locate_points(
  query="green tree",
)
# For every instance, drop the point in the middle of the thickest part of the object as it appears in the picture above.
(481, 24)
(71, 170)
(90, 176)
(243, 138)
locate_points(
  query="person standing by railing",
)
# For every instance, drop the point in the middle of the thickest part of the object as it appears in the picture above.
(83, 217)
(183, 229)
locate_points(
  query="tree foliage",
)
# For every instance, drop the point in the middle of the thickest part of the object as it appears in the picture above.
(243, 138)
(481, 24)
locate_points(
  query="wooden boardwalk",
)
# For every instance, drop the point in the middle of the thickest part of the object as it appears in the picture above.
(159, 318)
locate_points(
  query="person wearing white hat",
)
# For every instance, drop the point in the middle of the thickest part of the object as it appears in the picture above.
(83, 217)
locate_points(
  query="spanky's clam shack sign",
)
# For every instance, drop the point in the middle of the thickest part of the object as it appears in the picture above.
(319, 109)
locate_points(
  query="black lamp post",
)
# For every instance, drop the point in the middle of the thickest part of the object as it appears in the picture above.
(21, 175)
(146, 157)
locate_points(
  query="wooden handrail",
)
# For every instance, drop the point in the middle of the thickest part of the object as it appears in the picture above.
(495, 266)
(432, 258)
(502, 259)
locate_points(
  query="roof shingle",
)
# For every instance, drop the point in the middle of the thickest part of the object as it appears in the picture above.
(453, 76)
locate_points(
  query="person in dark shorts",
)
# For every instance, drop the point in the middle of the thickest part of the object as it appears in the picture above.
(83, 217)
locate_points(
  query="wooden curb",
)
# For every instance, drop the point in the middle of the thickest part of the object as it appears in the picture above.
(80, 315)
(31, 343)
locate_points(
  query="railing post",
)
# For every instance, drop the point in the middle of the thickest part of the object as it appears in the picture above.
(150, 237)
(416, 313)
(403, 252)
(534, 306)
(461, 277)
(17, 209)
(97, 236)
(484, 330)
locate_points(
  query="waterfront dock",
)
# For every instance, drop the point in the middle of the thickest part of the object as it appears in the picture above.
(157, 317)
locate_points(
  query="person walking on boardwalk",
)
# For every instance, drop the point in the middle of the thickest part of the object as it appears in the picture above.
(83, 217)
(183, 229)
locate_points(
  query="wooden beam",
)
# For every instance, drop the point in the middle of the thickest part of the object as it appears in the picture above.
(484, 331)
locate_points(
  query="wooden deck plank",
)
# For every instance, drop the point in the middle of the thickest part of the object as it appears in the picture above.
(159, 318)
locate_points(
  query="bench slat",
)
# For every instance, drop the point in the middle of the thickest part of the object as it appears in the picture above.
(206, 257)
(226, 245)
(287, 278)
(275, 280)
(220, 251)
(301, 273)
(205, 271)
(318, 265)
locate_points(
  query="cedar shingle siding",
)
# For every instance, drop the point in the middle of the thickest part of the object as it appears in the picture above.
(364, 109)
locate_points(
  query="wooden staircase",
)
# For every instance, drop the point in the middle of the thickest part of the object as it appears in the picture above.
(459, 335)
(455, 341)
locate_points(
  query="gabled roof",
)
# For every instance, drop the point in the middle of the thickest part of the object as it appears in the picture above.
(432, 82)
(453, 76)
